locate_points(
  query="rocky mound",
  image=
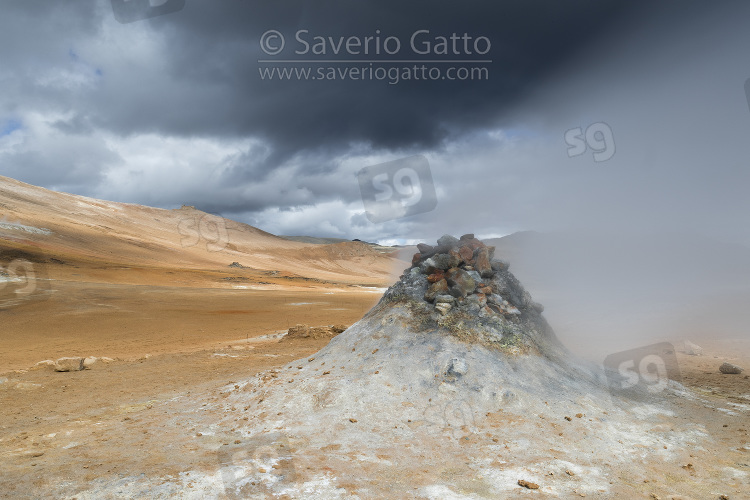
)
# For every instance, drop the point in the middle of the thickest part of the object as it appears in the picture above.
(452, 387)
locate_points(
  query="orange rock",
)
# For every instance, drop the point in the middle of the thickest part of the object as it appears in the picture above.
(436, 276)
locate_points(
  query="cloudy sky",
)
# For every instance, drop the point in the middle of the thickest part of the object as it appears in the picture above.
(619, 114)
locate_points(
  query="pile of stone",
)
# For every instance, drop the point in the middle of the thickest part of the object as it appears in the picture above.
(463, 274)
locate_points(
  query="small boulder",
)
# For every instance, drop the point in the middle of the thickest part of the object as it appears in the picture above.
(89, 361)
(692, 349)
(448, 241)
(236, 264)
(468, 236)
(69, 365)
(730, 369)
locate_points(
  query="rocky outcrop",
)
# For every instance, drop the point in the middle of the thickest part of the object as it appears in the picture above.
(458, 287)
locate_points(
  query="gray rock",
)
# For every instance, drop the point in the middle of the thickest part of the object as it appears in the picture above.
(425, 250)
(445, 261)
(730, 369)
(448, 240)
(457, 367)
(445, 299)
(69, 365)
(468, 236)
(461, 283)
(429, 266)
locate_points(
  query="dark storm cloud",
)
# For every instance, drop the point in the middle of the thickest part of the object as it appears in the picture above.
(211, 84)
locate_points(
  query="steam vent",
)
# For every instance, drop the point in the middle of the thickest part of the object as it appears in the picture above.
(452, 386)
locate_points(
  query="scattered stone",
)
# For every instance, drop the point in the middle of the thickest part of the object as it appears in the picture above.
(28, 386)
(353, 420)
(528, 484)
(105, 359)
(692, 349)
(730, 369)
(236, 264)
(69, 365)
(568, 418)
